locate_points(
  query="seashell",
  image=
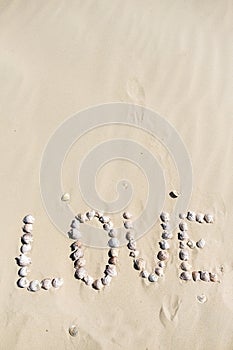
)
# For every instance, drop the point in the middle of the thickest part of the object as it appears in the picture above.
(144, 274)
(205, 276)
(165, 217)
(167, 235)
(159, 271)
(128, 225)
(27, 238)
(57, 282)
(29, 219)
(113, 252)
(108, 226)
(127, 215)
(200, 218)
(23, 282)
(183, 235)
(34, 286)
(113, 260)
(132, 245)
(97, 284)
(153, 277)
(74, 233)
(182, 245)
(202, 298)
(90, 215)
(209, 218)
(88, 280)
(26, 248)
(23, 271)
(73, 331)
(113, 233)
(163, 255)
(129, 236)
(113, 243)
(77, 254)
(182, 216)
(23, 260)
(162, 264)
(214, 277)
(201, 243)
(65, 197)
(184, 255)
(191, 244)
(174, 194)
(196, 276)
(166, 226)
(76, 245)
(104, 219)
(164, 245)
(191, 216)
(75, 224)
(28, 228)
(185, 276)
(139, 264)
(80, 263)
(106, 280)
(111, 270)
(134, 254)
(80, 273)
(46, 283)
(81, 218)
(185, 266)
(98, 214)
(183, 226)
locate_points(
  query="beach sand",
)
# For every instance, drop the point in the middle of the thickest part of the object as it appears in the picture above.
(57, 58)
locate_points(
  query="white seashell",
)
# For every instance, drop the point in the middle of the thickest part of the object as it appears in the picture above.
(201, 243)
(185, 266)
(174, 194)
(182, 245)
(97, 284)
(26, 248)
(112, 233)
(46, 283)
(191, 244)
(34, 286)
(166, 226)
(200, 218)
(23, 260)
(183, 226)
(108, 226)
(191, 216)
(132, 245)
(184, 255)
(75, 224)
(88, 280)
(73, 331)
(90, 215)
(128, 225)
(183, 235)
(202, 298)
(159, 271)
(129, 236)
(196, 276)
(80, 273)
(127, 215)
(165, 217)
(144, 274)
(209, 218)
(29, 219)
(162, 264)
(214, 277)
(106, 280)
(77, 254)
(57, 282)
(205, 276)
(23, 282)
(104, 219)
(182, 216)
(113, 252)
(153, 277)
(111, 270)
(113, 260)
(65, 197)
(27, 238)
(113, 243)
(81, 218)
(134, 254)
(167, 235)
(23, 271)
(139, 264)
(80, 263)
(74, 233)
(164, 245)
(28, 228)
(186, 276)
(163, 255)
(76, 245)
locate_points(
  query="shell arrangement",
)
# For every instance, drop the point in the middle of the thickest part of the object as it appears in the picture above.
(24, 261)
(77, 254)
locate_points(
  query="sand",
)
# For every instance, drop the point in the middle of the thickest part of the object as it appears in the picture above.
(57, 58)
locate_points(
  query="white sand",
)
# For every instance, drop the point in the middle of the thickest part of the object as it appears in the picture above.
(59, 57)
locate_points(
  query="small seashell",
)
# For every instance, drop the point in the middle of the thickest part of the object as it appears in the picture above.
(184, 255)
(88, 280)
(201, 243)
(191, 244)
(174, 194)
(128, 225)
(132, 245)
(113, 252)
(57, 282)
(191, 216)
(104, 219)
(108, 226)
(153, 277)
(182, 245)
(81, 262)
(74, 233)
(202, 298)
(163, 255)
(205, 276)
(106, 280)
(129, 236)
(46, 283)
(26, 248)
(75, 224)
(200, 218)
(186, 276)
(165, 217)
(90, 215)
(23, 260)
(80, 273)
(164, 245)
(73, 331)
(65, 197)
(166, 226)
(134, 254)
(27, 238)
(29, 219)
(183, 235)
(23, 271)
(185, 266)
(113, 260)
(183, 226)
(98, 214)
(196, 276)
(77, 254)
(112, 233)
(23, 282)
(28, 228)
(182, 216)
(113, 243)
(76, 245)
(162, 264)
(34, 286)
(209, 218)
(81, 218)
(144, 274)
(214, 277)
(127, 215)
(139, 264)
(97, 284)
(111, 270)
(159, 271)
(167, 235)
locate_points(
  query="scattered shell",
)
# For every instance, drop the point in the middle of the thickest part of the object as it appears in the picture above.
(80, 273)
(80, 263)
(74, 233)
(90, 215)
(104, 219)
(106, 280)
(23, 282)
(65, 197)
(46, 283)
(163, 255)
(159, 271)
(214, 277)
(27, 238)
(112, 233)
(75, 224)
(26, 248)
(200, 243)
(191, 244)
(108, 226)
(23, 260)
(81, 218)
(57, 282)
(153, 277)
(202, 298)
(76, 245)
(186, 276)
(191, 216)
(164, 245)
(111, 270)
(129, 236)
(34, 286)
(182, 245)
(73, 330)
(127, 215)
(139, 264)
(162, 264)
(144, 274)
(182, 216)
(167, 235)
(113, 260)
(183, 235)
(77, 254)
(28, 228)
(128, 225)
(205, 276)
(183, 226)
(165, 217)
(132, 245)
(97, 284)
(23, 272)
(196, 276)
(29, 219)
(134, 254)
(88, 280)
(200, 218)
(209, 218)
(113, 243)
(174, 194)
(184, 255)
(113, 252)
(185, 266)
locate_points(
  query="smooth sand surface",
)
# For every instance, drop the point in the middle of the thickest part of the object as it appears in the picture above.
(59, 57)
